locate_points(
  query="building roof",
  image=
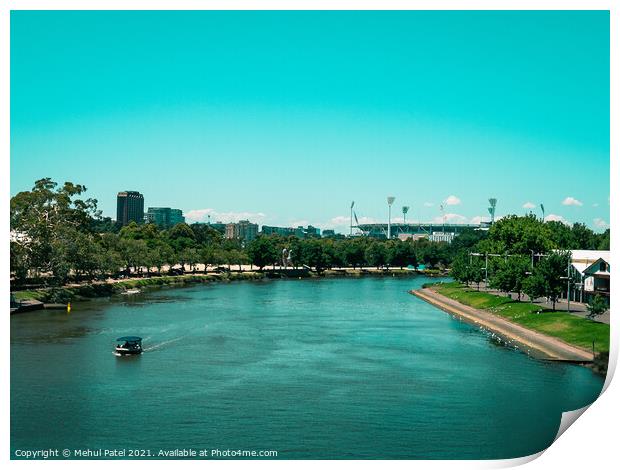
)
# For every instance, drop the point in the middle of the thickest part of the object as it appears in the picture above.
(589, 256)
(582, 260)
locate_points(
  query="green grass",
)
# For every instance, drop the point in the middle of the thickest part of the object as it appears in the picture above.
(569, 328)
(29, 294)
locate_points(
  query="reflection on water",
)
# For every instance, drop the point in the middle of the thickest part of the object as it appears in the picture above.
(336, 368)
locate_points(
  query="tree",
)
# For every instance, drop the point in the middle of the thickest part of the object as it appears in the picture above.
(583, 238)
(207, 256)
(519, 235)
(376, 254)
(19, 261)
(133, 253)
(353, 252)
(510, 274)
(401, 254)
(460, 268)
(476, 268)
(312, 254)
(262, 251)
(191, 257)
(180, 238)
(534, 286)
(241, 258)
(37, 218)
(552, 268)
(597, 306)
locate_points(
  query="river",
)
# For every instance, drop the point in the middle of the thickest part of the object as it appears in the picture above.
(330, 368)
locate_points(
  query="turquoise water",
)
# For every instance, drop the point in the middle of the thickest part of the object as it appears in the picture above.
(342, 368)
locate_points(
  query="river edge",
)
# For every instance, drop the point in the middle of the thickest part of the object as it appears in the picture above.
(63, 294)
(532, 343)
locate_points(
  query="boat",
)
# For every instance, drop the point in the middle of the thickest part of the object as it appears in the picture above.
(128, 346)
(131, 292)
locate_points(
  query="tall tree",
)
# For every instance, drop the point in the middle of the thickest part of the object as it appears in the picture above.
(262, 251)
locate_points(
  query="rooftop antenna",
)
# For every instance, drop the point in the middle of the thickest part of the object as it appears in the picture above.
(352, 204)
(390, 201)
(405, 210)
(492, 203)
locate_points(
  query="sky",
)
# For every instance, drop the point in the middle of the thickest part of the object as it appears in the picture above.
(285, 118)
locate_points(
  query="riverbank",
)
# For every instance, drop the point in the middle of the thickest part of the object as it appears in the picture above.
(549, 335)
(72, 292)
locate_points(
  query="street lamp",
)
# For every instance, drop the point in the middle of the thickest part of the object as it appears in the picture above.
(390, 201)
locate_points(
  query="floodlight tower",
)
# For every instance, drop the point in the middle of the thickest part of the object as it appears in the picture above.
(405, 210)
(352, 204)
(492, 203)
(443, 219)
(390, 201)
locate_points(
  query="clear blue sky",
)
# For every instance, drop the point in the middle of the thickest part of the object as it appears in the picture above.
(287, 117)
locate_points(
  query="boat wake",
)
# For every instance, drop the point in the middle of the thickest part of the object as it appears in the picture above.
(163, 343)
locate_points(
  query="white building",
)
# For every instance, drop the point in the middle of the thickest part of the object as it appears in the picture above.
(442, 237)
(593, 267)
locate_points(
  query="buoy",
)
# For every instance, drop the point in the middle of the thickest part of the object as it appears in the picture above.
(69, 307)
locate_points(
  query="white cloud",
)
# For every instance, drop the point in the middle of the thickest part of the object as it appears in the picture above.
(571, 201)
(478, 219)
(343, 221)
(450, 219)
(556, 218)
(595, 204)
(600, 223)
(428, 204)
(202, 215)
(529, 205)
(452, 201)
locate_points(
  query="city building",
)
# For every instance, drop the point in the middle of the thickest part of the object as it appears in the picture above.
(408, 236)
(129, 207)
(219, 226)
(593, 267)
(243, 230)
(329, 233)
(312, 232)
(164, 217)
(282, 231)
(442, 237)
(299, 232)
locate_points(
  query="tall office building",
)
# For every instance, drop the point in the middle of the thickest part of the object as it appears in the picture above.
(164, 216)
(129, 207)
(176, 217)
(242, 230)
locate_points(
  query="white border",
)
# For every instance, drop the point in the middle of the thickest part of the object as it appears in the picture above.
(590, 443)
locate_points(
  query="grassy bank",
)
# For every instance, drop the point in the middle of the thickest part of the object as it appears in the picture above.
(560, 324)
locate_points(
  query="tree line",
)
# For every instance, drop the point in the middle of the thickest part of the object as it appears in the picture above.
(58, 235)
(525, 255)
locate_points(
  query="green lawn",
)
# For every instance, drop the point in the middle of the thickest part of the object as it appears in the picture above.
(570, 328)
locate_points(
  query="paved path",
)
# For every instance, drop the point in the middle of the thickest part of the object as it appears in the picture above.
(527, 340)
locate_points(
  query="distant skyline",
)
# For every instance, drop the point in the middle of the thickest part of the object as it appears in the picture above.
(284, 118)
